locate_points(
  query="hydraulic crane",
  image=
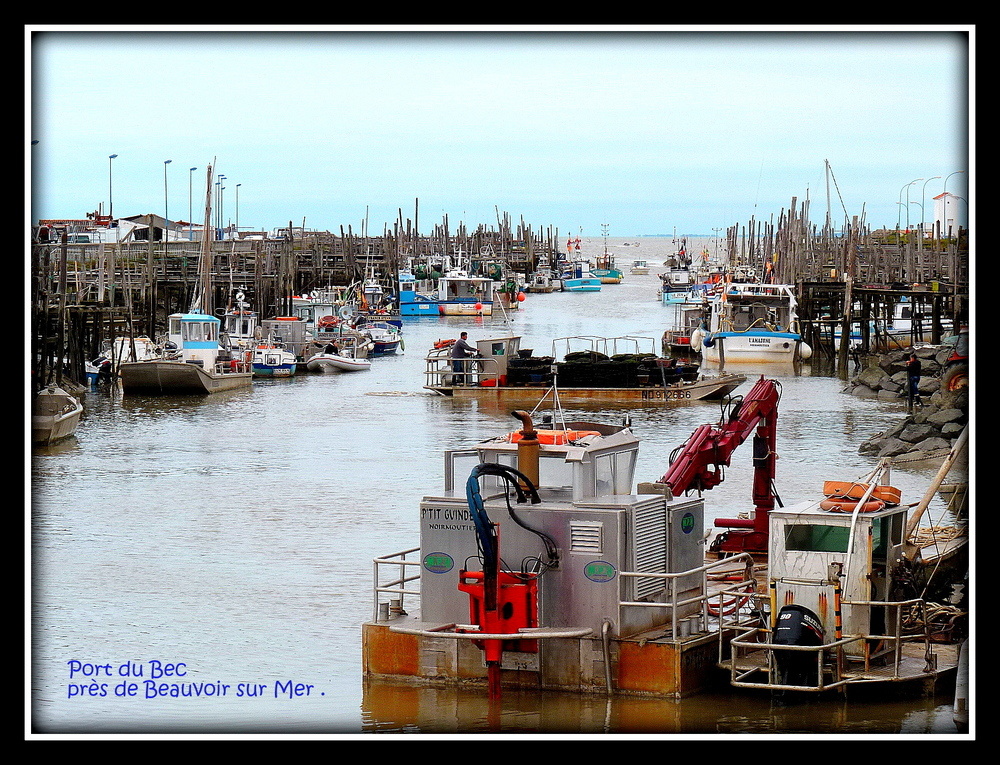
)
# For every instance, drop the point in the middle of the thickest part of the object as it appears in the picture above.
(698, 465)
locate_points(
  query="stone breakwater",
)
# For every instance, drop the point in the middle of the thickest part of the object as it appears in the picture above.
(934, 426)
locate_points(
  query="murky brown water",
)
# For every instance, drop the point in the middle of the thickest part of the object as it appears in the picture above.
(232, 538)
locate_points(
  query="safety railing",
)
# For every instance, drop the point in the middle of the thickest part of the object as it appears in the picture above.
(752, 653)
(743, 587)
(476, 370)
(396, 586)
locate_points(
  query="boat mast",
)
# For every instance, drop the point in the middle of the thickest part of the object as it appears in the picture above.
(199, 303)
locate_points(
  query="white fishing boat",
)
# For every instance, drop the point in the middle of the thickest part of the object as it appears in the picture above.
(55, 415)
(753, 323)
(117, 351)
(454, 293)
(345, 352)
(639, 267)
(272, 360)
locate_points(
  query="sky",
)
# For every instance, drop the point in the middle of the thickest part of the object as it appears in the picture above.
(632, 131)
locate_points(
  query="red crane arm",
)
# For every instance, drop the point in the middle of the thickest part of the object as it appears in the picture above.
(697, 465)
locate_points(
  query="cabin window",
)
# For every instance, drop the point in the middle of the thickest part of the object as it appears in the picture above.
(175, 326)
(613, 473)
(817, 538)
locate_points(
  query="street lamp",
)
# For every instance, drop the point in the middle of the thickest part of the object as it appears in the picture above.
(907, 187)
(111, 199)
(166, 217)
(922, 198)
(191, 170)
(238, 210)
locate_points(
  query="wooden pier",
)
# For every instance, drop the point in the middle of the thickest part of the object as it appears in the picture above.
(83, 293)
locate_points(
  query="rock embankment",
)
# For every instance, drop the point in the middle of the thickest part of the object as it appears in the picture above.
(934, 425)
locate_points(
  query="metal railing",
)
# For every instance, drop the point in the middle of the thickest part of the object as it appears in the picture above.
(831, 658)
(396, 586)
(743, 588)
(440, 371)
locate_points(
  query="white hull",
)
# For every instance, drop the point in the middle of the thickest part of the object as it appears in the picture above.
(753, 349)
(327, 362)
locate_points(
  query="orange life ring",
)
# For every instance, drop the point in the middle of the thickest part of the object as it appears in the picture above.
(443, 343)
(329, 321)
(842, 506)
(555, 436)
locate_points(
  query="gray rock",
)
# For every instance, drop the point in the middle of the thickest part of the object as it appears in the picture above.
(915, 433)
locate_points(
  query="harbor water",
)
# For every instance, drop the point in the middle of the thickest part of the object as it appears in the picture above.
(203, 565)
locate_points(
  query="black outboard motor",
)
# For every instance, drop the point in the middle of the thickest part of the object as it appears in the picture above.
(797, 625)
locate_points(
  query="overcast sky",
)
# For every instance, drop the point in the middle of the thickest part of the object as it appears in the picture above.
(653, 131)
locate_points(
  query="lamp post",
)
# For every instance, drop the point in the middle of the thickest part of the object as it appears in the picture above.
(221, 219)
(944, 198)
(111, 199)
(907, 187)
(191, 170)
(923, 197)
(238, 210)
(166, 217)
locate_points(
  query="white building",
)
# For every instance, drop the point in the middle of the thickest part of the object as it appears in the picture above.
(950, 213)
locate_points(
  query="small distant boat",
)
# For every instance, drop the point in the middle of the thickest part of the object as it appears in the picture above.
(272, 360)
(640, 267)
(344, 353)
(577, 277)
(54, 415)
(386, 338)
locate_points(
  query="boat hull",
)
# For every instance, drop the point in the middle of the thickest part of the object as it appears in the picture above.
(55, 416)
(336, 364)
(752, 347)
(581, 285)
(711, 389)
(178, 377)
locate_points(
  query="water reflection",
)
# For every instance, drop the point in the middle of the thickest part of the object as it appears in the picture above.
(401, 709)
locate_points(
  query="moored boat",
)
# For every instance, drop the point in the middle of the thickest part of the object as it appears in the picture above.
(504, 371)
(272, 360)
(454, 293)
(345, 352)
(640, 267)
(754, 323)
(55, 415)
(577, 277)
(542, 565)
(193, 361)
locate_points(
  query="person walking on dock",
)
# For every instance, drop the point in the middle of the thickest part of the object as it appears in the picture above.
(460, 351)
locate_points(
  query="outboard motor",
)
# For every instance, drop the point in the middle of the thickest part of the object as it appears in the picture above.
(797, 625)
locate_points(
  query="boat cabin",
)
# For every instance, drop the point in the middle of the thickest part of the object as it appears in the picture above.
(813, 550)
(584, 474)
(755, 306)
(195, 337)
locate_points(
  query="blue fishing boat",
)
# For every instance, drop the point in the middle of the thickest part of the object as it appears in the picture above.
(577, 277)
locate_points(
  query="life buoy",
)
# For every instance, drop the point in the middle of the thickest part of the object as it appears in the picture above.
(555, 436)
(346, 312)
(329, 321)
(843, 506)
(443, 344)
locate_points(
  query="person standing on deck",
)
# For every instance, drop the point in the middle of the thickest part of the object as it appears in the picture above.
(460, 351)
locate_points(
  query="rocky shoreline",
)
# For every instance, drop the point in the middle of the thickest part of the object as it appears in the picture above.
(931, 430)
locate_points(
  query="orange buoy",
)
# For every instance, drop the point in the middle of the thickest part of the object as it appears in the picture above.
(846, 506)
(555, 436)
